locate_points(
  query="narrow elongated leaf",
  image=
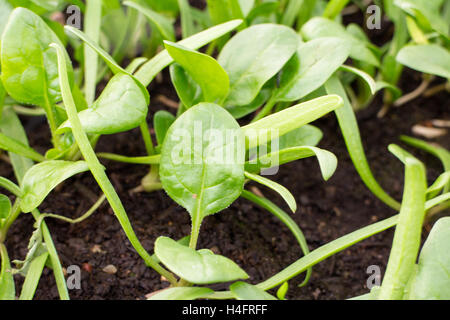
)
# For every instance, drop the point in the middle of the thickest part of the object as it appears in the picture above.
(350, 131)
(432, 281)
(428, 58)
(202, 165)
(198, 267)
(162, 23)
(7, 286)
(29, 68)
(205, 70)
(319, 27)
(161, 123)
(253, 56)
(363, 75)
(42, 178)
(246, 291)
(11, 145)
(181, 293)
(281, 190)
(441, 183)
(290, 119)
(314, 62)
(121, 106)
(306, 135)
(33, 276)
(150, 69)
(187, 21)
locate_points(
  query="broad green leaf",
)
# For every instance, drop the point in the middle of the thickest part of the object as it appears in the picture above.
(29, 66)
(246, 291)
(319, 27)
(5, 207)
(198, 267)
(7, 286)
(350, 131)
(162, 23)
(253, 56)
(428, 58)
(432, 280)
(312, 65)
(121, 106)
(205, 70)
(241, 111)
(290, 119)
(161, 123)
(42, 178)
(406, 243)
(327, 160)
(181, 293)
(151, 68)
(11, 145)
(32, 278)
(281, 190)
(5, 10)
(187, 89)
(202, 160)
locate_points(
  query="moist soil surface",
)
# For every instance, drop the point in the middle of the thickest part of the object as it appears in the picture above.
(247, 234)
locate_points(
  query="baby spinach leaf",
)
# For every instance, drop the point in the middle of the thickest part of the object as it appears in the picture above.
(121, 106)
(290, 119)
(11, 145)
(253, 56)
(202, 165)
(314, 62)
(5, 10)
(162, 23)
(205, 70)
(319, 27)
(187, 89)
(246, 291)
(428, 58)
(365, 76)
(29, 66)
(181, 293)
(42, 178)
(306, 135)
(241, 111)
(198, 267)
(281, 190)
(432, 281)
(5, 207)
(7, 286)
(161, 123)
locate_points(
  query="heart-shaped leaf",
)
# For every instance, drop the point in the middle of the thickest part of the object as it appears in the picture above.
(29, 65)
(202, 160)
(253, 56)
(121, 106)
(198, 267)
(44, 177)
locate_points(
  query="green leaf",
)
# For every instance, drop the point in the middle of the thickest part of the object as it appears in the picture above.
(162, 23)
(205, 70)
(7, 286)
(32, 278)
(282, 290)
(439, 184)
(181, 293)
(406, 243)
(121, 106)
(349, 127)
(161, 123)
(432, 281)
(428, 58)
(187, 22)
(151, 68)
(281, 190)
(290, 119)
(306, 135)
(5, 10)
(319, 27)
(44, 177)
(246, 291)
(11, 145)
(312, 65)
(199, 169)
(253, 56)
(5, 207)
(373, 86)
(198, 267)
(241, 111)
(187, 89)
(29, 67)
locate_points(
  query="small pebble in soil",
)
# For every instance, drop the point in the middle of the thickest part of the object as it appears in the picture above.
(87, 267)
(110, 269)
